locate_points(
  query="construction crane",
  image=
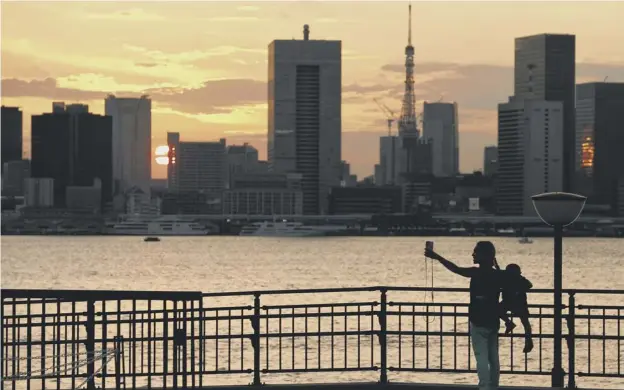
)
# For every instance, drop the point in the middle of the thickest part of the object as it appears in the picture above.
(390, 115)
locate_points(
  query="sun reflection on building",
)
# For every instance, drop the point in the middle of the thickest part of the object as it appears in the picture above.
(587, 154)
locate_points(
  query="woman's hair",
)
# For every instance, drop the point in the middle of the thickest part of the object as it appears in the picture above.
(487, 249)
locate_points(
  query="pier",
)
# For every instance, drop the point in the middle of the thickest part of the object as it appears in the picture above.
(345, 338)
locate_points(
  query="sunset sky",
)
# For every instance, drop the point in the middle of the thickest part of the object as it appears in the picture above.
(205, 63)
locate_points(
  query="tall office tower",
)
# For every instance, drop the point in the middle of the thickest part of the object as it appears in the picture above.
(11, 118)
(440, 126)
(132, 143)
(197, 166)
(13, 175)
(304, 127)
(530, 153)
(73, 147)
(241, 159)
(390, 157)
(599, 141)
(545, 70)
(490, 160)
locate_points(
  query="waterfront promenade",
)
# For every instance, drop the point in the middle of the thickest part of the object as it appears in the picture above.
(343, 338)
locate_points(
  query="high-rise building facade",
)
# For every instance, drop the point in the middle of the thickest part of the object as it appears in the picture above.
(304, 124)
(490, 160)
(13, 175)
(440, 126)
(11, 126)
(390, 156)
(544, 69)
(599, 141)
(530, 153)
(197, 166)
(132, 143)
(73, 147)
(242, 159)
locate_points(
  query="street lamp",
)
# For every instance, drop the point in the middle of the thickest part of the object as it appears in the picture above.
(558, 209)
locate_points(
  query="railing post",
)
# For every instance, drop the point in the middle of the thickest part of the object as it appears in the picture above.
(571, 341)
(90, 344)
(117, 362)
(383, 335)
(255, 323)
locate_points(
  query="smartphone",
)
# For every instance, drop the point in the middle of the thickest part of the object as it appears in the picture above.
(429, 245)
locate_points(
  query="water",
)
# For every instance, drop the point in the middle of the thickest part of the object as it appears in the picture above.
(214, 264)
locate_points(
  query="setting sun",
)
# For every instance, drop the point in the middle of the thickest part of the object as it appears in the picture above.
(161, 155)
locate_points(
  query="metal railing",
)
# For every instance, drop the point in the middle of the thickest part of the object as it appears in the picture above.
(64, 339)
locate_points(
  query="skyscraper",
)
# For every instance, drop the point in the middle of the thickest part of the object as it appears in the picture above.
(73, 147)
(11, 134)
(440, 126)
(304, 126)
(490, 160)
(390, 158)
(599, 140)
(197, 166)
(132, 143)
(530, 152)
(545, 70)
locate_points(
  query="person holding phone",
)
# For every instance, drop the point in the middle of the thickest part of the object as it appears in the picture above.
(486, 283)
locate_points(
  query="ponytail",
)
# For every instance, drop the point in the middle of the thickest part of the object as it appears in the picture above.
(496, 266)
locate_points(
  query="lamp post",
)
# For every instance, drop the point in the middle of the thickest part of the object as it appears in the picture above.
(558, 209)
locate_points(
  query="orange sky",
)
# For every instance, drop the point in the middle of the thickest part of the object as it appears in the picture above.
(205, 63)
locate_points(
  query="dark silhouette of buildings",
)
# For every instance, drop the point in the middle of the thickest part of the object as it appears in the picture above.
(363, 200)
(545, 69)
(490, 160)
(73, 147)
(11, 134)
(599, 141)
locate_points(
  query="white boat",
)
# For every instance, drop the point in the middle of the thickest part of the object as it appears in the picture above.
(525, 240)
(287, 229)
(158, 226)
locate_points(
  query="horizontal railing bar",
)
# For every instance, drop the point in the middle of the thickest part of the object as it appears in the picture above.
(317, 369)
(598, 317)
(462, 304)
(101, 295)
(310, 305)
(599, 307)
(463, 371)
(176, 295)
(600, 374)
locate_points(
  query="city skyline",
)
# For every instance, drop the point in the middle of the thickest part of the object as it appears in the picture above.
(208, 85)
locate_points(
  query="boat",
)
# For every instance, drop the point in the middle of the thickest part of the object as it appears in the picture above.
(287, 229)
(525, 240)
(168, 225)
(151, 239)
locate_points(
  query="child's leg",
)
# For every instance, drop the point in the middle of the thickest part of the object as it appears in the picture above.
(528, 338)
(502, 313)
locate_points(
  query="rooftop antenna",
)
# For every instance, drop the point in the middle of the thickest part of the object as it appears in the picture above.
(306, 32)
(409, 31)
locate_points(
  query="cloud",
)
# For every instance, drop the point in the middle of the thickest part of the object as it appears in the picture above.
(47, 88)
(248, 8)
(186, 57)
(130, 15)
(146, 64)
(213, 97)
(482, 86)
(233, 19)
